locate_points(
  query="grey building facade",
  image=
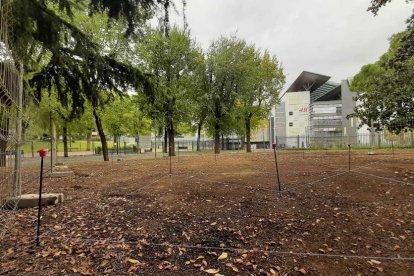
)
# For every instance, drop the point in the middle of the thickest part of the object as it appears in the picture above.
(320, 108)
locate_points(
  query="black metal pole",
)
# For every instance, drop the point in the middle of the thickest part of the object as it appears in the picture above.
(392, 146)
(155, 147)
(349, 157)
(277, 172)
(51, 141)
(178, 151)
(40, 203)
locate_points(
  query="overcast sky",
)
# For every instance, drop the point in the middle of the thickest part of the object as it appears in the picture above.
(332, 37)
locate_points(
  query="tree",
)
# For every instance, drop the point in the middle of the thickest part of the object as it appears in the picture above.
(199, 96)
(376, 5)
(122, 117)
(265, 81)
(226, 78)
(387, 86)
(67, 59)
(172, 61)
(387, 100)
(83, 126)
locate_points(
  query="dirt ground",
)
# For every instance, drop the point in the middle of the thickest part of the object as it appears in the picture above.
(223, 216)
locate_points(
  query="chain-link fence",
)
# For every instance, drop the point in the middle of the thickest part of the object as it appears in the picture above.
(11, 97)
(369, 139)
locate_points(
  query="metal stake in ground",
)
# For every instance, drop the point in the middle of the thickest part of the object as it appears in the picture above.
(42, 154)
(349, 157)
(277, 169)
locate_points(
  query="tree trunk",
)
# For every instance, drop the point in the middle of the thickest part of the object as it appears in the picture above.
(248, 134)
(165, 145)
(88, 140)
(101, 135)
(116, 143)
(217, 138)
(222, 141)
(65, 140)
(198, 136)
(54, 143)
(171, 136)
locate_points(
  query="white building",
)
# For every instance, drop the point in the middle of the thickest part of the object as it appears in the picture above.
(314, 111)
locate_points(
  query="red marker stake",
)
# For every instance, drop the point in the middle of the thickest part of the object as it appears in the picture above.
(42, 154)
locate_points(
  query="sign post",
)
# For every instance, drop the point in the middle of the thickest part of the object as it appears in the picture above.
(42, 154)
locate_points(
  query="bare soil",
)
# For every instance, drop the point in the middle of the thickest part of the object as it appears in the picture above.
(223, 216)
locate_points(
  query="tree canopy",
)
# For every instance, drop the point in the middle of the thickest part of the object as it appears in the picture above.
(387, 88)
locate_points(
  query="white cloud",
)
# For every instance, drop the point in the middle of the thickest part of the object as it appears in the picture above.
(333, 37)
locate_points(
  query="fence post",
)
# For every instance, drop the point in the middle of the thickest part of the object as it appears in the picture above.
(42, 154)
(155, 147)
(379, 139)
(412, 138)
(298, 141)
(33, 149)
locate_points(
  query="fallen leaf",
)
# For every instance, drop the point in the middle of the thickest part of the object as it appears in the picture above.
(374, 262)
(273, 272)
(303, 271)
(223, 256)
(233, 267)
(212, 271)
(133, 261)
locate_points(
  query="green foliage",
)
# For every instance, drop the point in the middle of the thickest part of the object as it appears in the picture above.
(59, 54)
(225, 70)
(173, 62)
(243, 85)
(265, 81)
(122, 117)
(387, 86)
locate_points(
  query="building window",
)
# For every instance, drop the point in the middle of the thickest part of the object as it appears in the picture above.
(291, 124)
(290, 113)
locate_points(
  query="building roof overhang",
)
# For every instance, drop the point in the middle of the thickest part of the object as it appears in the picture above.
(308, 81)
